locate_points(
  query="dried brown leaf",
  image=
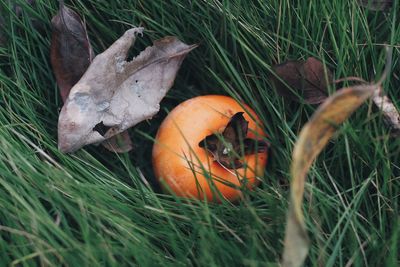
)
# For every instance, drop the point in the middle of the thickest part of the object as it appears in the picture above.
(376, 5)
(312, 139)
(291, 78)
(119, 94)
(306, 79)
(70, 51)
(316, 82)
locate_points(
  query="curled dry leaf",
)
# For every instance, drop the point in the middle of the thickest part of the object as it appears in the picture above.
(71, 54)
(312, 139)
(70, 51)
(376, 5)
(306, 79)
(114, 94)
(390, 113)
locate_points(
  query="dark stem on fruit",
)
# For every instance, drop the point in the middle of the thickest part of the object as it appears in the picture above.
(229, 147)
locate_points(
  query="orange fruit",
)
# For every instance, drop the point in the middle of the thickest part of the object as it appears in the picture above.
(188, 169)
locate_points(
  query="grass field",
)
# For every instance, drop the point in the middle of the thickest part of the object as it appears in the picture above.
(96, 208)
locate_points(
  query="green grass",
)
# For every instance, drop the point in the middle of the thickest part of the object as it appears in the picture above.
(94, 208)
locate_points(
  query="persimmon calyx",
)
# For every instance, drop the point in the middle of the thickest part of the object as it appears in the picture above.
(228, 147)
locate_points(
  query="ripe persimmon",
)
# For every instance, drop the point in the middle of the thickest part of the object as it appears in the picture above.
(207, 143)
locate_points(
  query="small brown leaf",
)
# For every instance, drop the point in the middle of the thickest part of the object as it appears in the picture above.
(376, 5)
(226, 147)
(312, 139)
(291, 78)
(304, 78)
(117, 92)
(71, 52)
(316, 87)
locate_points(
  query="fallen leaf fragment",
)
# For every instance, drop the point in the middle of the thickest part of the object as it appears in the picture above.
(390, 113)
(376, 5)
(290, 73)
(306, 79)
(70, 51)
(115, 94)
(312, 139)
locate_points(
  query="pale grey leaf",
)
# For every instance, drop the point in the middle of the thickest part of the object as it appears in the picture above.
(115, 94)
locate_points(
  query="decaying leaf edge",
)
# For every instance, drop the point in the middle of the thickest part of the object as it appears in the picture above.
(296, 238)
